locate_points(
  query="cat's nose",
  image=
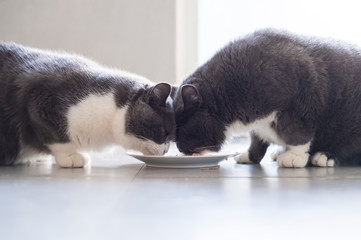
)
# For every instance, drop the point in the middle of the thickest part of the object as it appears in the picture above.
(166, 149)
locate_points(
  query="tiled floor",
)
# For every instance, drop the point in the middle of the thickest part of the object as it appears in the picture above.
(120, 198)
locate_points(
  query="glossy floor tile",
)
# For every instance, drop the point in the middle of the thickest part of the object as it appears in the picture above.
(121, 198)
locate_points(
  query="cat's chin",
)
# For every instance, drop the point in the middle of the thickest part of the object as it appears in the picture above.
(202, 153)
(148, 152)
(207, 152)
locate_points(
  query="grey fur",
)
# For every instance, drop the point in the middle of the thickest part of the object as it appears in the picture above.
(38, 87)
(313, 85)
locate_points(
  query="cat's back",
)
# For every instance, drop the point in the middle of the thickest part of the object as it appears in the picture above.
(11, 57)
(277, 54)
(281, 43)
(27, 65)
(15, 56)
(17, 59)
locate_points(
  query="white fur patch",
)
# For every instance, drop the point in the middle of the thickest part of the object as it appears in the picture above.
(89, 121)
(274, 155)
(94, 123)
(97, 122)
(321, 160)
(294, 156)
(262, 128)
(28, 154)
(243, 158)
(72, 160)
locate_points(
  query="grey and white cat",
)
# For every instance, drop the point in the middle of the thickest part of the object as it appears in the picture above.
(64, 104)
(298, 92)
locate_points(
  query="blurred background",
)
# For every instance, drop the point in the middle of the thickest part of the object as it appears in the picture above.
(138, 36)
(165, 40)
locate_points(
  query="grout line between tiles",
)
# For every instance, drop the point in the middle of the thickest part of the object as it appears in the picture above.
(140, 169)
(256, 177)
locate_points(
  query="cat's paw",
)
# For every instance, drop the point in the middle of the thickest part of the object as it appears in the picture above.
(74, 160)
(243, 158)
(321, 160)
(274, 155)
(290, 159)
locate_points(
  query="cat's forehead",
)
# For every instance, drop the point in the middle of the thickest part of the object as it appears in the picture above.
(143, 110)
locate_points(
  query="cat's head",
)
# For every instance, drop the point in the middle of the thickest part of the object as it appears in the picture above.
(199, 129)
(150, 119)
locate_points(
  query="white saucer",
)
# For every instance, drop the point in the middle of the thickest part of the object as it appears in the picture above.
(182, 161)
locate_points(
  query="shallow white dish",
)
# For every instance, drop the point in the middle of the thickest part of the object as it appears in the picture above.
(182, 161)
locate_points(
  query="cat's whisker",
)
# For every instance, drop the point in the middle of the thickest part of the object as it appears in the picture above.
(153, 147)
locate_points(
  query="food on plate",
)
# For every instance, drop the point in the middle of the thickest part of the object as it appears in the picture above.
(210, 168)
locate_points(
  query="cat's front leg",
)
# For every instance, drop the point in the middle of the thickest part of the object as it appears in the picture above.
(66, 156)
(296, 133)
(256, 151)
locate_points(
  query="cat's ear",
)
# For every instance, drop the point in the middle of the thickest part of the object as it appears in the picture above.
(158, 94)
(191, 97)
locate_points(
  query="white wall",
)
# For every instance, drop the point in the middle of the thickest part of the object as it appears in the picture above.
(135, 35)
(221, 21)
(186, 38)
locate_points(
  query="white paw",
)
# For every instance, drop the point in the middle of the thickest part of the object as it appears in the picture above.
(274, 155)
(290, 159)
(243, 158)
(321, 160)
(75, 160)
